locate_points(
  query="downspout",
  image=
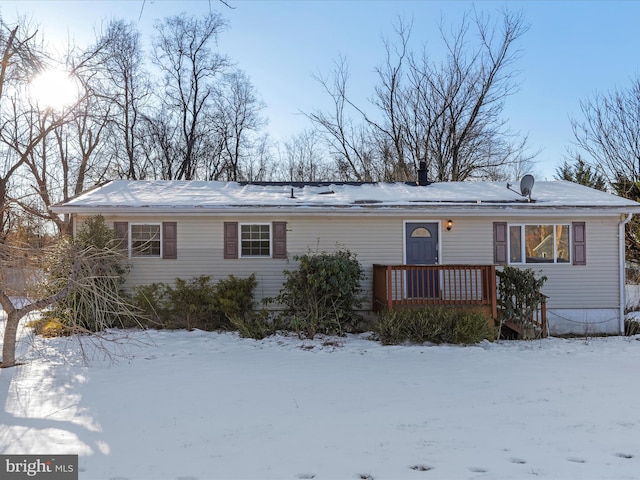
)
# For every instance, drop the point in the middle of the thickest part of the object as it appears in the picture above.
(622, 261)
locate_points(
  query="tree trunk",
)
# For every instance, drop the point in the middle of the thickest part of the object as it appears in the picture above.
(10, 338)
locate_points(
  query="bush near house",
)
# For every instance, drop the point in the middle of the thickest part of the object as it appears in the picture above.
(96, 301)
(197, 303)
(631, 326)
(433, 325)
(322, 294)
(519, 295)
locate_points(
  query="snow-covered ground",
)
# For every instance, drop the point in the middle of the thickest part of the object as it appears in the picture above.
(200, 405)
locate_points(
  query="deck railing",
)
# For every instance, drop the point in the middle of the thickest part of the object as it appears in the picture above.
(445, 285)
(454, 285)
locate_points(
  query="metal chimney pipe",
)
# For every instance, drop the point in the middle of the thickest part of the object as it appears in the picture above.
(422, 174)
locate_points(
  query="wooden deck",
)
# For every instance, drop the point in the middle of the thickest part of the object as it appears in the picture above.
(398, 286)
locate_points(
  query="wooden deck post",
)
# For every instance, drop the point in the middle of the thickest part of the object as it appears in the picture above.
(493, 295)
(388, 277)
(543, 313)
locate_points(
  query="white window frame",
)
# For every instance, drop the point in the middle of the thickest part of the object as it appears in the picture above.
(131, 225)
(240, 239)
(523, 241)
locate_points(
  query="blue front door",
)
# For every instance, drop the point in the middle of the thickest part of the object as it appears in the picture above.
(422, 249)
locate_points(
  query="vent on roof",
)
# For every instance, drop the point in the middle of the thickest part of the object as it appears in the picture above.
(422, 174)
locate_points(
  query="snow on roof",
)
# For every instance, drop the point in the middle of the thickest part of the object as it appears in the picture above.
(168, 194)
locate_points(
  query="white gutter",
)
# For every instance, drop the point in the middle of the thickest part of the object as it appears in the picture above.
(622, 263)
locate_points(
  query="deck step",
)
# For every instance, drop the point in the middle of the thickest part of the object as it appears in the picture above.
(527, 331)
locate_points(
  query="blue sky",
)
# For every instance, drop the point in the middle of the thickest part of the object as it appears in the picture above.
(572, 49)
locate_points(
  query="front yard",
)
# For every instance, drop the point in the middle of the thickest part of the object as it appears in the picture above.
(204, 405)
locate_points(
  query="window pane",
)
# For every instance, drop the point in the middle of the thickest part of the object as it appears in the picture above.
(145, 240)
(539, 243)
(255, 240)
(420, 232)
(562, 243)
(515, 244)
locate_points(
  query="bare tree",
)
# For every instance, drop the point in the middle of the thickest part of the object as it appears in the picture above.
(23, 129)
(239, 120)
(65, 163)
(259, 166)
(126, 87)
(70, 156)
(191, 70)
(93, 279)
(349, 143)
(160, 150)
(303, 159)
(447, 114)
(609, 134)
(23, 124)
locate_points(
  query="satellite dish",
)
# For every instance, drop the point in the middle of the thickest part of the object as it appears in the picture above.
(526, 185)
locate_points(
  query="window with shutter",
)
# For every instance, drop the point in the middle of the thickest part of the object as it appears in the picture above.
(279, 239)
(579, 243)
(230, 239)
(169, 240)
(122, 233)
(539, 243)
(146, 239)
(500, 250)
(255, 240)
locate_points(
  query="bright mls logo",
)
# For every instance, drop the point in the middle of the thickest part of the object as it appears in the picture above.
(37, 467)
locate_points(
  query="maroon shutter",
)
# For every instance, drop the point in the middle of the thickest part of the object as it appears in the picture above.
(500, 251)
(230, 239)
(169, 240)
(122, 234)
(579, 243)
(279, 239)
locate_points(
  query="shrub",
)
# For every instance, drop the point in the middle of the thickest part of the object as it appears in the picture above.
(432, 324)
(472, 327)
(95, 300)
(320, 296)
(192, 304)
(256, 325)
(196, 303)
(150, 300)
(518, 294)
(47, 326)
(631, 327)
(235, 296)
(389, 328)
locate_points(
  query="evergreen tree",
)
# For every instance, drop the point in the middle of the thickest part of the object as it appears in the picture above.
(580, 172)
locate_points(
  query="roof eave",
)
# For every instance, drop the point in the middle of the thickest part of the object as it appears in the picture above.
(378, 209)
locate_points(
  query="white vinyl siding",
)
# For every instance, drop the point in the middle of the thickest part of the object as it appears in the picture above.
(379, 239)
(594, 285)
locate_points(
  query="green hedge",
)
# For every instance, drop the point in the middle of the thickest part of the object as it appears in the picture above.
(196, 303)
(322, 294)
